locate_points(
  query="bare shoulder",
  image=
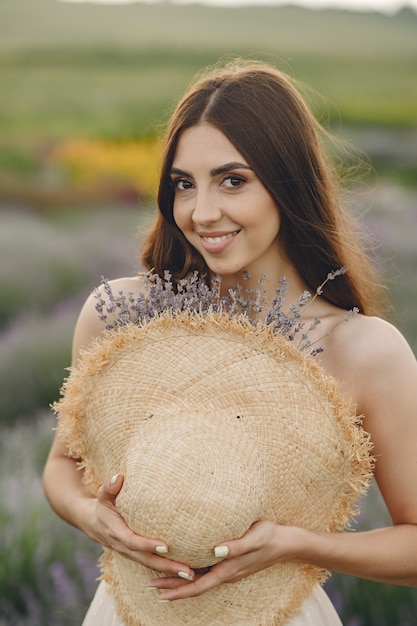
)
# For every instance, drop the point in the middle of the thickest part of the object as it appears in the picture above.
(370, 357)
(369, 342)
(379, 371)
(89, 325)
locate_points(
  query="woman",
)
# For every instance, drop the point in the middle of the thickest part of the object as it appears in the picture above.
(245, 188)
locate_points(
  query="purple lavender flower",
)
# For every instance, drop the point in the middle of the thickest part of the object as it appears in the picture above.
(193, 294)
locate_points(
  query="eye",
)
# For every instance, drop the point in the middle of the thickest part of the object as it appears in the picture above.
(181, 184)
(233, 180)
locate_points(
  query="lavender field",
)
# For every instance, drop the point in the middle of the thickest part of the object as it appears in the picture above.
(48, 265)
(47, 268)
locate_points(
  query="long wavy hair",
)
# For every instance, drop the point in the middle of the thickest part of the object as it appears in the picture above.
(263, 115)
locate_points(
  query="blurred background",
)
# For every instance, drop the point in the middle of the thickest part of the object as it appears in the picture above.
(85, 90)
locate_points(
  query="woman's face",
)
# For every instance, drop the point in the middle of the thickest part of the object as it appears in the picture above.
(222, 207)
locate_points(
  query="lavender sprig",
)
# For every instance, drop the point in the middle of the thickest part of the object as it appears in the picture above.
(193, 294)
(159, 295)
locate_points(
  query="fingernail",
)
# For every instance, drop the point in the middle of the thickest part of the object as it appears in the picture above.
(164, 600)
(152, 588)
(161, 549)
(114, 478)
(185, 576)
(221, 551)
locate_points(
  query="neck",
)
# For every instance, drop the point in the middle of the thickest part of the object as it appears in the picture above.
(267, 285)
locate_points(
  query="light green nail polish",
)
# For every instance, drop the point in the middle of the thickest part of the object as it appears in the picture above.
(164, 600)
(114, 478)
(152, 588)
(185, 576)
(161, 549)
(221, 551)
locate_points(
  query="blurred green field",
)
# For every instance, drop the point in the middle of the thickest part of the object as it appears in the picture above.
(116, 70)
(119, 93)
(288, 29)
(71, 71)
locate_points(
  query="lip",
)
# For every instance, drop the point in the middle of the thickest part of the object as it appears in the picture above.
(216, 242)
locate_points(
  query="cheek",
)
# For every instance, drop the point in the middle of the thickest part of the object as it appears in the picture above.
(270, 220)
(182, 220)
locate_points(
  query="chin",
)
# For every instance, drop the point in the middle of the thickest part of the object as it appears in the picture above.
(228, 272)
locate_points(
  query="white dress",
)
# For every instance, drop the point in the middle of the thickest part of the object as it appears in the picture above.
(317, 610)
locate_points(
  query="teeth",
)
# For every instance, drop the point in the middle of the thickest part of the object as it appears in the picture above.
(218, 239)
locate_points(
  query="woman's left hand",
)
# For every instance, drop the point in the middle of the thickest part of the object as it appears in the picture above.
(264, 544)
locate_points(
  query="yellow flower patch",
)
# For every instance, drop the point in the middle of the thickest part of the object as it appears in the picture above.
(103, 163)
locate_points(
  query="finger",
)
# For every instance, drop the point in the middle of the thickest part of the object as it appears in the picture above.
(186, 574)
(125, 540)
(168, 582)
(152, 553)
(149, 552)
(110, 489)
(144, 551)
(119, 531)
(230, 549)
(191, 589)
(167, 568)
(251, 541)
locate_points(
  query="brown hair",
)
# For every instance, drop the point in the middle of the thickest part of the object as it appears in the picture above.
(264, 117)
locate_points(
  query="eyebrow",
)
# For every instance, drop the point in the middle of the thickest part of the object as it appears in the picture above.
(222, 169)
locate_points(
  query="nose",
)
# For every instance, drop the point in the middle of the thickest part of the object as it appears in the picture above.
(206, 208)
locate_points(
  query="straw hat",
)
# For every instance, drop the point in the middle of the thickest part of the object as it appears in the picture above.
(215, 424)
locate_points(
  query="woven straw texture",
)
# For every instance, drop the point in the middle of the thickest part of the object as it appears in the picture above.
(215, 425)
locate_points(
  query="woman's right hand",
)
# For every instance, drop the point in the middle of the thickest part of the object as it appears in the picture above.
(108, 528)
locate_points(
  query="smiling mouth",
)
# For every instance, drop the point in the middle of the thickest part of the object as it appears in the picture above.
(219, 238)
